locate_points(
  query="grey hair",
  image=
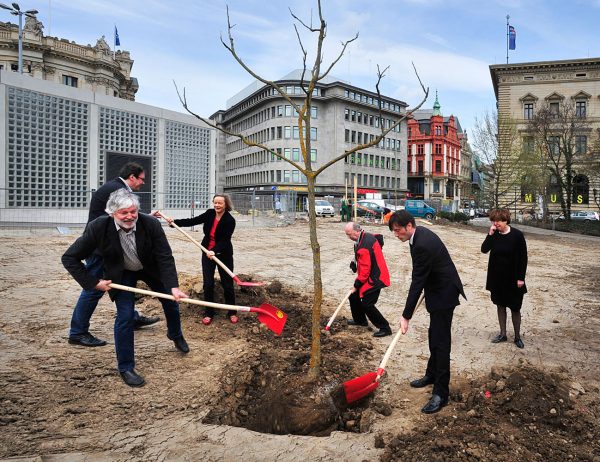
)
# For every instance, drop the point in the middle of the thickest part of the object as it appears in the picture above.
(355, 226)
(121, 199)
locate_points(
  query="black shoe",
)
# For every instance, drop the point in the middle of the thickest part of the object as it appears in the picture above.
(86, 339)
(132, 378)
(422, 382)
(352, 322)
(434, 404)
(519, 343)
(181, 344)
(383, 333)
(143, 321)
(499, 338)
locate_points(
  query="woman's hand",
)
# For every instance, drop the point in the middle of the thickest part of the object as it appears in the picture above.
(210, 254)
(492, 230)
(520, 284)
(178, 294)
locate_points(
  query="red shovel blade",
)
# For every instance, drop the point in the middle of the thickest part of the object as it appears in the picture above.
(239, 282)
(360, 387)
(271, 316)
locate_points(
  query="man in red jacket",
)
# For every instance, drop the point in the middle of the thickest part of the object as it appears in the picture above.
(372, 275)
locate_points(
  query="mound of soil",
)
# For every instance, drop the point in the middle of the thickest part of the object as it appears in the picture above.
(518, 414)
(268, 390)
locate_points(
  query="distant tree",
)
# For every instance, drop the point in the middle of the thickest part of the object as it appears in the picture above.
(561, 137)
(311, 75)
(497, 144)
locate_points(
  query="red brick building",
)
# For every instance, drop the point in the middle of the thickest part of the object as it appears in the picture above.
(434, 155)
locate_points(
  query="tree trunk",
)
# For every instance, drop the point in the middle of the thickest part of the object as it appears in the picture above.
(315, 349)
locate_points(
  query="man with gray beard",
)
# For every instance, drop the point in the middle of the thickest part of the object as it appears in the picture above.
(134, 247)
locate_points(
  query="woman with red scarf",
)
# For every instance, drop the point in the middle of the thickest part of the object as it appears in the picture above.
(218, 225)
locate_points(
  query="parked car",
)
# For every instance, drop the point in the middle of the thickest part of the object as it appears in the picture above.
(324, 209)
(367, 208)
(419, 209)
(583, 216)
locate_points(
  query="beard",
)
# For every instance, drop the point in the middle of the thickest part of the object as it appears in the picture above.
(126, 225)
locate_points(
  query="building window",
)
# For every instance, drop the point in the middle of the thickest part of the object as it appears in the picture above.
(438, 130)
(554, 109)
(580, 144)
(313, 112)
(313, 133)
(70, 81)
(420, 167)
(528, 111)
(436, 186)
(580, 109)
(313, 155)
(287, 132)
(438, 166)
(347, 136)
(554, 145)
(347, 114)
(438, 148)
(420, 149)
(528, 145)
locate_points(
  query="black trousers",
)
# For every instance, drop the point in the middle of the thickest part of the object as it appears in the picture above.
(363, 308)
(440, 343)
(208, 275)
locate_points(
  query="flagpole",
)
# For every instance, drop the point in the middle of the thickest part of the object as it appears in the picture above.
(507, 36)
(115, 43)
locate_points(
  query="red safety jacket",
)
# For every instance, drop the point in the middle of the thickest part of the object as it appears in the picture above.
(372, 271)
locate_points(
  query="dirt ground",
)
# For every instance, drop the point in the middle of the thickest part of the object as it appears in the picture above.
(63, 402)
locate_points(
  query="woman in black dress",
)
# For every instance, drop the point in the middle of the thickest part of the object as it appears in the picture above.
(506, 271)
(218, 225)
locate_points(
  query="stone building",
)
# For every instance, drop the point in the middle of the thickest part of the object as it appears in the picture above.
(523, 88)
(342, 117)
(95, 68)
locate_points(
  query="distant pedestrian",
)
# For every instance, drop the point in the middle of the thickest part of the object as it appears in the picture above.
(345, 210)
(506, 272)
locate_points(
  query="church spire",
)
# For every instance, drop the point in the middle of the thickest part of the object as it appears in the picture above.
(436, 106)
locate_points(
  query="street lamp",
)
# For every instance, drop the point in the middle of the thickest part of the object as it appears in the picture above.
(16, 10)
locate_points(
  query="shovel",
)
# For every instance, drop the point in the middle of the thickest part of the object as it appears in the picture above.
(360, 387)
(237, 280)
(337, 310)
(269, 315)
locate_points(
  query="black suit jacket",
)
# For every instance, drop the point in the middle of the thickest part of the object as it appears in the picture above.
(434, 272)
(101, 234)
(100, 197)
(223, 232)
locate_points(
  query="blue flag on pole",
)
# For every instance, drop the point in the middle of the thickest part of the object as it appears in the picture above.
(512, 38)
(118, 42)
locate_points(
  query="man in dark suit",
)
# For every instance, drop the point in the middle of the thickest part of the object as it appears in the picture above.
(134, 247)
(434, 272)
(131, 177)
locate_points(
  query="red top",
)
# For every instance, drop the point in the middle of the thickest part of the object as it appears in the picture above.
(211, 236)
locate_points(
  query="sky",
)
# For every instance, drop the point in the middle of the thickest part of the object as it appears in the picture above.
(452, 43)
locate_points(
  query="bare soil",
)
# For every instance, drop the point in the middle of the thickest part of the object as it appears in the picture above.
(243, 393)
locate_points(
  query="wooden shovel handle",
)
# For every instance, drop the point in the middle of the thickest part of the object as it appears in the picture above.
(395, 340)
(204, 249)
(337, 310)
(220, 306)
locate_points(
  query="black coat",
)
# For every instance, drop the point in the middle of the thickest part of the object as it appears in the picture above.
(100, 197)
(506, 266)
(101, 234)
(223, 233)
(434, 272)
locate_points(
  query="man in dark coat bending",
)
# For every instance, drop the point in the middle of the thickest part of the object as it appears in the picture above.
(434, 272)
(133, 247)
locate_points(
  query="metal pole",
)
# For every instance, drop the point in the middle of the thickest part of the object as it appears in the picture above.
(507, 37)
(20, 42)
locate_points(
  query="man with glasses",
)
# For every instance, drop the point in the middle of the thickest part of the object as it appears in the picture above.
(131, 177)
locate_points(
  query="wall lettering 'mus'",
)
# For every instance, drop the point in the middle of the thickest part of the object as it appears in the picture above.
(553, 198)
